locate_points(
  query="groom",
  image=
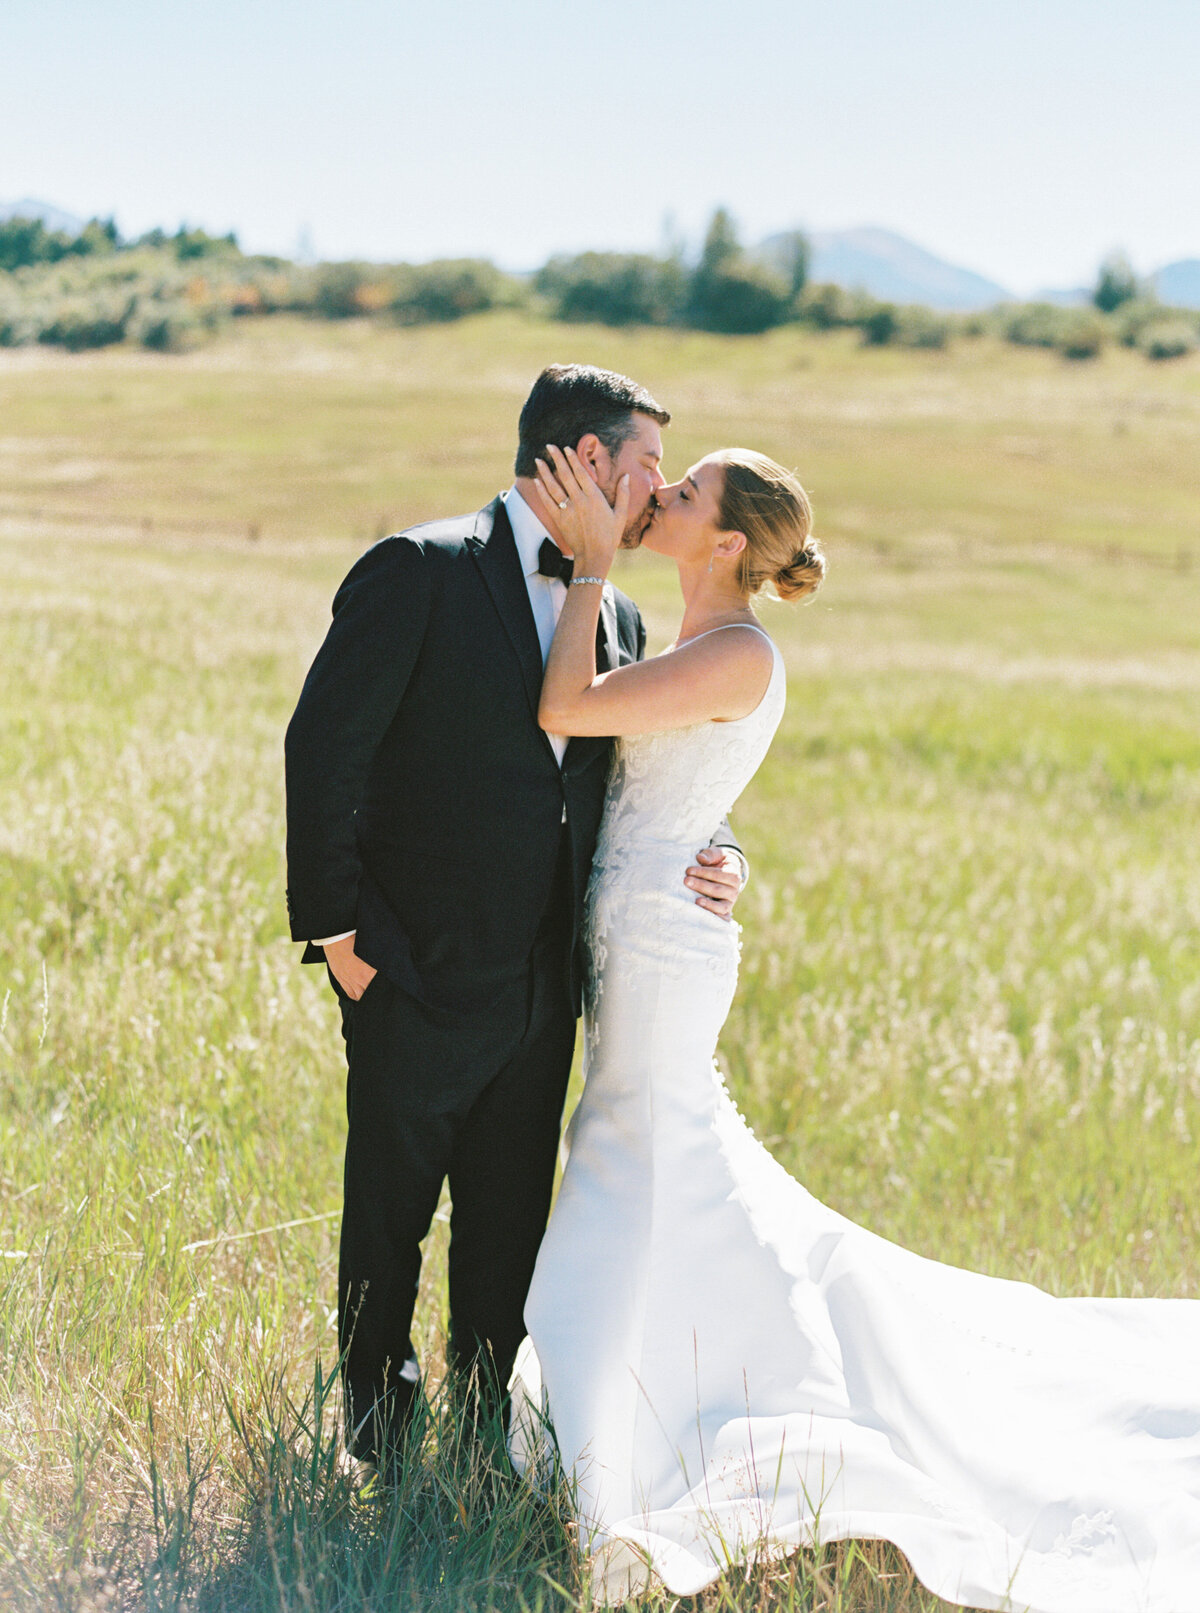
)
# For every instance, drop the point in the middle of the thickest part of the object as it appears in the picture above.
(438, 848)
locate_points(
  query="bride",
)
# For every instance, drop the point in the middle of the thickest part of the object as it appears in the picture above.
(728, 1369)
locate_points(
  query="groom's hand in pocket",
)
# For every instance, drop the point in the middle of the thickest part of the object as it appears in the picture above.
(347, 968)
(716, 878)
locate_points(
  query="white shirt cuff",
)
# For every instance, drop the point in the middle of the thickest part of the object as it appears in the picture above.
(330, 939)
(733, 851)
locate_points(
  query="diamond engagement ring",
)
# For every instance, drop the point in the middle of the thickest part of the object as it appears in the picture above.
(563, 502)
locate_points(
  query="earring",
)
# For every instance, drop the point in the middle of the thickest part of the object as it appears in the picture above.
(710, 561)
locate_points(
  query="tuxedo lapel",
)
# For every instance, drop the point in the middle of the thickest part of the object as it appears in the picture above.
(494, 551)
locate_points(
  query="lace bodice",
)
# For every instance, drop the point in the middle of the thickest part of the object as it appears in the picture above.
(674, 788)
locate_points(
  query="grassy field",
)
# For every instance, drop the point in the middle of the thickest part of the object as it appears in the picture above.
(970, 1011)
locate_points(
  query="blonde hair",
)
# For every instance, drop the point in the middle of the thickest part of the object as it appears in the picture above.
(768, 504)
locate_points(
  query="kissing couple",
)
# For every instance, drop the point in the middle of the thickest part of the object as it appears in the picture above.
(501, 813)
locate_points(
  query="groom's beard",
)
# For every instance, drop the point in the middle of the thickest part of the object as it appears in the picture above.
(636, 530)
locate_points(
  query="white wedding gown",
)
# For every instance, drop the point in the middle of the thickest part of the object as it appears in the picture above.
(731, 1370)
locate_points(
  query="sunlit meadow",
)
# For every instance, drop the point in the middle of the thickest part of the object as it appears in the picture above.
(970, 1010)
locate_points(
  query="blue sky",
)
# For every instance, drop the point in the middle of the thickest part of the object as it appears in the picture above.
(1023, 139)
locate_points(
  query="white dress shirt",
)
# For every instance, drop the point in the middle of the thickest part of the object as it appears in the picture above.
(546, 596)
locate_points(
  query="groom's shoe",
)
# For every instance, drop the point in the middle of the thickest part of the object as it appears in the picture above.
(363, 1475)
(380, 1443)
(374, 1476)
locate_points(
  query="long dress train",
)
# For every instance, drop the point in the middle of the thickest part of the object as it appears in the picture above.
(732, 1370)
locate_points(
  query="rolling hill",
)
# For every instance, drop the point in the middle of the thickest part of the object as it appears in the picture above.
(888, 266)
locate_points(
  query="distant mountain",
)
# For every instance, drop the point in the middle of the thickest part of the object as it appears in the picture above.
(890, 267)
(54, 218)
(1179, 283)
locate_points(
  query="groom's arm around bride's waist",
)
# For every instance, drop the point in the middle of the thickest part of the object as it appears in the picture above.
(709, 889)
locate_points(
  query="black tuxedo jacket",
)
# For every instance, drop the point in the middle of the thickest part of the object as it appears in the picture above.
(424, 803)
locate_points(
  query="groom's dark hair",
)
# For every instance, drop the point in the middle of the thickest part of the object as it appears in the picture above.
(570, 400)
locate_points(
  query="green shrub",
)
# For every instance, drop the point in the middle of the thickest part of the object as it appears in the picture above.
(1038, 324)
(830, 307)
(1082, 335)
(1077, 333)
(1132, 318)
(19, 324)
(416, 294)
(147, 293)
(740, 300)
(450, 288)
(96, 300)
(881, 325)
(267, 285)
(614, 288)
(1168, 338)
(339, 289)
(168, 327)
(922, 327)
(87, 322)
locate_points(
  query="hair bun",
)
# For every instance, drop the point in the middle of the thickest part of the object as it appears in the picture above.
(803, 574)
(766, 503)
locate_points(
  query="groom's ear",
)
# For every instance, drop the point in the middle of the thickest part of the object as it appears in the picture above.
(595, 457)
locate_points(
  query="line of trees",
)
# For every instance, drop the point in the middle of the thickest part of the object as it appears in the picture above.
(731, 291)
(727, 290)
(25, 242)
(170, 291)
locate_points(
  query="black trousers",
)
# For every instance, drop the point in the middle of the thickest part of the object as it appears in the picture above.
(475, 1098)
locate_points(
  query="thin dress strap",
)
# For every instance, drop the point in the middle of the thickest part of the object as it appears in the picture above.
(725, 626)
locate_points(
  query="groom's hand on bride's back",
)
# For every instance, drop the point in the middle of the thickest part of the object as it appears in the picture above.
(347, 968)
(716, 877)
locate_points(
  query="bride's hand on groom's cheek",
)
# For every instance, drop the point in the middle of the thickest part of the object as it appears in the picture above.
(716, 878)
(585, 519)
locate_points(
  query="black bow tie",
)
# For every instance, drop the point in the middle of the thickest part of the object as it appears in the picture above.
(552, 562)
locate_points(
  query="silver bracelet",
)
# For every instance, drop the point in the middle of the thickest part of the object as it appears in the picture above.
(576, 581)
